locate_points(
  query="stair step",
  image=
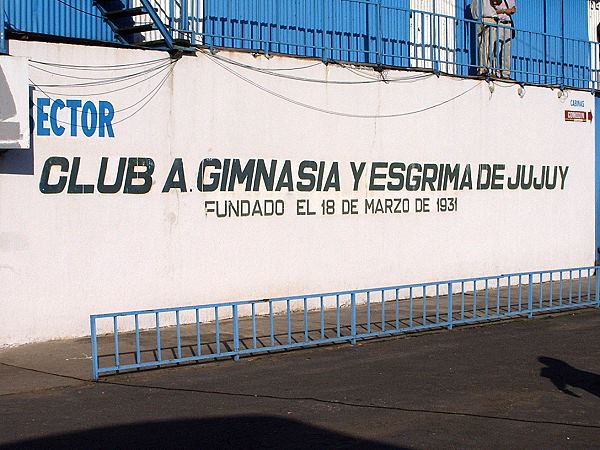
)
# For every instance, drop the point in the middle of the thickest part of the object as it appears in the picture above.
(161, 43)
(136, 29)
(124, 13)
(151, 44)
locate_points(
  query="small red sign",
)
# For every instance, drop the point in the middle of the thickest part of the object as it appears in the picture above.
(576, 116)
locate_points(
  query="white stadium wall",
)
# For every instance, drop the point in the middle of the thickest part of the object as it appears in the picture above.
(442, 193)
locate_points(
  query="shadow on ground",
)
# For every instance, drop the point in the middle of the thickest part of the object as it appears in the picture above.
(563, 375)
(226, 432)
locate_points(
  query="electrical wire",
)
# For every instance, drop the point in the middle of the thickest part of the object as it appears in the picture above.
(277, 69)
(371, 80)
(86, 78)
(346, 66)
(164, 80)
(101, 67)
(339, 113)
(80, 10)
(286, 69)
(104, 82)
(95, 94)
(146, 99)
(382, 78)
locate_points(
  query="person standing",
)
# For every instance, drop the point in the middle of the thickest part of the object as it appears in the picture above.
(495, 37)
(505, 13)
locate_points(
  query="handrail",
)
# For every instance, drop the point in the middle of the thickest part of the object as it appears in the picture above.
(326, 318)
(159, 24)
(415, 39)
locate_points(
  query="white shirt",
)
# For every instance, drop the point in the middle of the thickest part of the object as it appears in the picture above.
(490, 11)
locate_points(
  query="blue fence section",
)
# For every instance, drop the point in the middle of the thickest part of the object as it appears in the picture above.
(551, 45)
(235, 329)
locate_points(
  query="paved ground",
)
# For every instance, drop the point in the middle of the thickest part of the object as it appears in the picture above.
(526, 384)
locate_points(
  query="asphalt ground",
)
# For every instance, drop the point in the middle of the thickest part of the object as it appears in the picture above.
(519, 384)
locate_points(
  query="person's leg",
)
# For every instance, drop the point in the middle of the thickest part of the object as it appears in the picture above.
(494, 51)
(484, 46)
(503, 53)
(506, 53)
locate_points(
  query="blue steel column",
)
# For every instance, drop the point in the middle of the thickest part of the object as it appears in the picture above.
(184, 21)
(236, 332)
(597, 164)
(171, 15)
(3, 47)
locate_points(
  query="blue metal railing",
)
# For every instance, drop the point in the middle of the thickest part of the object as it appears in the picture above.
(168, 336)
(387, 33)
(380, 32)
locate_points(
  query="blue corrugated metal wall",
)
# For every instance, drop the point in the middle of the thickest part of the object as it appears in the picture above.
(576, 52)
(530, 47)
(73, 19)
(352, 30)
(545, 57)
(466, 39)
(395, 25)
(345, 30)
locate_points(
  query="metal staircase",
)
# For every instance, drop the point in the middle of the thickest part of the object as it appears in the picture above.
(136, 25)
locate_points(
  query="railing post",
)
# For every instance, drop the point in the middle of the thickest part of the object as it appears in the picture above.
(324, 33)
(184, 21)
(450, 307)
(378, 37)
(530, 296)
(353, 317)
(435, 42)
(94, 339)
(171, 15)
(597, 293)
(562, 44)
(478, 36)
(196, 22)
(236, 333)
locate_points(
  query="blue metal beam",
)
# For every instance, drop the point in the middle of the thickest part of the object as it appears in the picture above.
(597, 171)
(3, 46)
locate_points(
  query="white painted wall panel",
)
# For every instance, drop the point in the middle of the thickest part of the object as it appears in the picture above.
(64, 256)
